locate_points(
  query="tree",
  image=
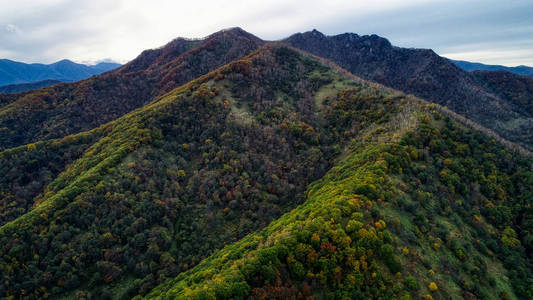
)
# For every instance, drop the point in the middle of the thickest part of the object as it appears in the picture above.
(433, 286)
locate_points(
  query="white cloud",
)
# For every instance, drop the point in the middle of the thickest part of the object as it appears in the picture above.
(11, 28)
(49, 30)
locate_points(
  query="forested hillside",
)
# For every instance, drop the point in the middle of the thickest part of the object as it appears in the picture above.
(228, 168)
(69, 108)
(425, 74)
(167, 184)
(22, 87)
(417, 206)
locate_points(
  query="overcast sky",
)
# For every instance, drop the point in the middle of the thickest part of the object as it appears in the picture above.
(488, 31)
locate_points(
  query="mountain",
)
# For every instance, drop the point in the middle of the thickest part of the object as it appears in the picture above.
(22, 87)
(425, 74)
(74, 107)
(275, 175)
(12, 72)
(473, 66)
(70, 108)
(391, 220)
(407, 211)
(231, 151)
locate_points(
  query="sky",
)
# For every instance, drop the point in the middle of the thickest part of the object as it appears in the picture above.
(90, 31)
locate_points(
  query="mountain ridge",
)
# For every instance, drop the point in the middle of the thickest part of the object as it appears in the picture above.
(74, 107)
(425, 74)
(416, 71)
(303, 140)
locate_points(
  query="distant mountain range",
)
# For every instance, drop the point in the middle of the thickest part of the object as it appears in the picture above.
(13, 72)
(474, 66)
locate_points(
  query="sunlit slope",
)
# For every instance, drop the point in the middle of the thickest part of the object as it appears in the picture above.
(151, 194)
(147, 197)
(417, 207)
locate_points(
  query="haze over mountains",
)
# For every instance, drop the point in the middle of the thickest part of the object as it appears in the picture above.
(230, 167)
(12, 72)
(473, 66)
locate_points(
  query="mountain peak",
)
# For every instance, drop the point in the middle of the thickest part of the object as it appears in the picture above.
(316, 32)
(64, 63)
(179, 46)
(234, 31)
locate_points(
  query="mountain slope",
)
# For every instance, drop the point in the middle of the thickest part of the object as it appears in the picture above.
(74, 107)
(22, 87)
(161, 188)
(418, 207)
(416, 204)
(518, 89)
(471, 66)
(424, 74)
(12, 72)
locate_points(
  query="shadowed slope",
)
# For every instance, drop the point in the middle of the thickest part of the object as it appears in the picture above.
(22, 87)
(426, 75)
